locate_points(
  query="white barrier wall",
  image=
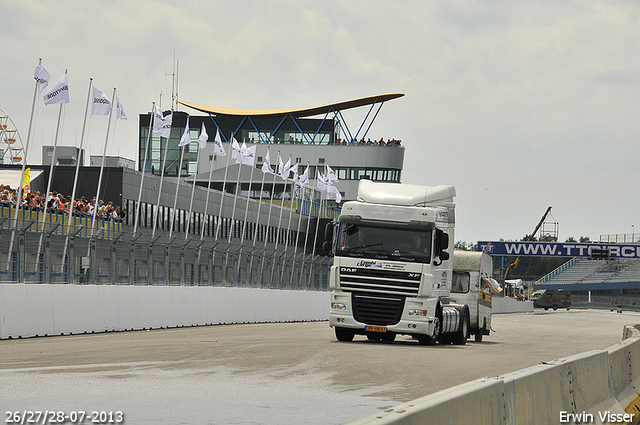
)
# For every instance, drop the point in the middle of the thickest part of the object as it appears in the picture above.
(599, 387)
(509, 305)
(39, 309)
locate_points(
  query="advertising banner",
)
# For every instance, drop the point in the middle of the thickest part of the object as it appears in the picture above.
(560, 249)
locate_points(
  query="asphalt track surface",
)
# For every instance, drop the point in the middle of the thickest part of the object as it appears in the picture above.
(291, 373)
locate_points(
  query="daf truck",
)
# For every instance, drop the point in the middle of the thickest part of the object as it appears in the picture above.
(393, 267)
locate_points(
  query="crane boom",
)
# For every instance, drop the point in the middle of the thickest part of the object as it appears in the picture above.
(513, 265)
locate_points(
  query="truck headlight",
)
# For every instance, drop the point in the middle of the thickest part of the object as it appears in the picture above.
(338, 306)
(415, 312)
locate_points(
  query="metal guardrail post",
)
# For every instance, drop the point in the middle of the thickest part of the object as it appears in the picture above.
(151, 270)
(71, 258)
(46, 258)
(198, 275)
(183, 264)
(21, 251)
(132, 259)
(93, 264)
(167, 264)
(212, 264)
(113, 260)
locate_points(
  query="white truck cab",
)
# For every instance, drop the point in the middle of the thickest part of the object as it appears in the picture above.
(393, 267)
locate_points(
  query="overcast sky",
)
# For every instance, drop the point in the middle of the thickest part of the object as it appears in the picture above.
(519, 104)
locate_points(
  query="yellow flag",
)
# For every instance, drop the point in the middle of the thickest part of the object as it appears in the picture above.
(26, 182)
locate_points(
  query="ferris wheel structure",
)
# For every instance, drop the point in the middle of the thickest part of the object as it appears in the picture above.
(11, 147)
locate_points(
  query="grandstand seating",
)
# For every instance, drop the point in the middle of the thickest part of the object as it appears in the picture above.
(586, 270)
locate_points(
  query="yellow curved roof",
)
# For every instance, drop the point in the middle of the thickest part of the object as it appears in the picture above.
(298, 112)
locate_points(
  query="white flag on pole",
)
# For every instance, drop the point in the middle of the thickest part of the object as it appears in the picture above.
(58, 92)
(202, 139)
(334, 193)
(304, 178)
(285, 169)
(101, 104)
(321, 182)
(247, 155)
(42, 77)
(331, 175)
(266, 165)
(185, 139)
(162, 124)
(235, 149)
(240, 153)
(120, 110)
(218, 149)
(295, 172)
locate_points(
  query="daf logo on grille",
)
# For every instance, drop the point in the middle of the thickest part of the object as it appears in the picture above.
(347, 270)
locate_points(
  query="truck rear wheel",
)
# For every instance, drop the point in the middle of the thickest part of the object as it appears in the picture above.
(481, 331)
(460, 337)
(344, 335)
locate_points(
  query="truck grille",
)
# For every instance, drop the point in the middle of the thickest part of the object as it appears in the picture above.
(377, 310)
(355, 279)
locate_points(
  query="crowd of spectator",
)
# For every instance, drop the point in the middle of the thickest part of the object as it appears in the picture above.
(60, 204)
(369, 142)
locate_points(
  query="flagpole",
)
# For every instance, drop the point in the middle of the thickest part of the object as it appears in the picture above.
(206, 203)
(293, 187)
(306, 236)
(264, 174)
(75, 179)
(146, 154)
(301, 203)
(235, 197)
(53, 161)
(193, 189)
(175, 199)
(224, 184)
(104, 153)
(80, 157)
(24, 165)
(246, 211)
(164, 163)
(26, 150)
(281, 212)
(273, 188)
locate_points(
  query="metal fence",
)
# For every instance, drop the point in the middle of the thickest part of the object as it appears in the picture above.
(34, 252)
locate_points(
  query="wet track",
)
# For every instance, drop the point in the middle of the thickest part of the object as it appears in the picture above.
(289, 373)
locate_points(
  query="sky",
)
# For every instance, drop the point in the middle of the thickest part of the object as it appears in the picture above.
(520, 105)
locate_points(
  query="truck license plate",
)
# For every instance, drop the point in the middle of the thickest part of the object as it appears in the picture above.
(375, 328)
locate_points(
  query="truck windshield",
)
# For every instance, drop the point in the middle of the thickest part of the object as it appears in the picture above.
(385, 243)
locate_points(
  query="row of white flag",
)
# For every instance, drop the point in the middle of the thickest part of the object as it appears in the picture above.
(59, 93)
(246, 155)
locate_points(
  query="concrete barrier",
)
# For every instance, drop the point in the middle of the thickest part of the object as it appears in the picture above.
(509, 305)
(599, 386)
(28, 310)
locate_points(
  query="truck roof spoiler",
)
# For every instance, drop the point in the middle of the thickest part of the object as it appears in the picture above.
(406, 194)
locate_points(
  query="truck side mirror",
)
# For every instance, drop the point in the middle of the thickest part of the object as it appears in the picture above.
(444, 240)
(442, 243)
(326, 246)
(328, 233)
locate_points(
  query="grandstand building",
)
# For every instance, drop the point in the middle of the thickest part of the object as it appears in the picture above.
(251, 207)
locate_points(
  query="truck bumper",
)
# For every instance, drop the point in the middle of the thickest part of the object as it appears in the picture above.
(404, 326)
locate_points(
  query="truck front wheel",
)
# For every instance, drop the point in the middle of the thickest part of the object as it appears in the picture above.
(437, 328)
(344, 335)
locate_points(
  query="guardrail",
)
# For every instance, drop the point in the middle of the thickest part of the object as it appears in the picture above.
(61, 254)
(598, 386)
